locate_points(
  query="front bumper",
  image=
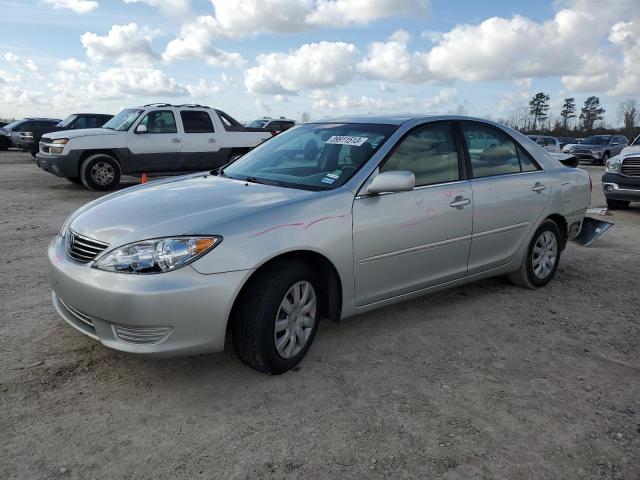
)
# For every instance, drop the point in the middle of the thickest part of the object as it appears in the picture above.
(67, 166)
(28, 145)
(620, 187)
(590, 157)
(169, 314)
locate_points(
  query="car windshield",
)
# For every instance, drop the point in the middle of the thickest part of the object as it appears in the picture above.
(124, 119)
(596, 140)
(67, 121)
(12, 125)
(257, 124)
(636, 142)
(311, 156)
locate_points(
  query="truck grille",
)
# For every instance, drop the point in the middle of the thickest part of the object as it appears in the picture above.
(44, 142)
(83, 249)
(630, 167)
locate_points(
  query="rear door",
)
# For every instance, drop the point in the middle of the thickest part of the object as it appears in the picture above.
(159, 149)
(510, 192)
(200, 141)
(407, 241)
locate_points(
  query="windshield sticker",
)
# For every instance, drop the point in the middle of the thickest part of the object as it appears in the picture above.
(344, 140)
(328, 180)
(335, 174)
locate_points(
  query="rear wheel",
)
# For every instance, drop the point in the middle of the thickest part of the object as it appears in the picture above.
(541, 261)
(604, 159)
(617, 204)
(276, 318)
(100, 172)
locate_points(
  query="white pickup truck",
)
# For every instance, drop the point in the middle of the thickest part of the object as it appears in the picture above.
(155, 138)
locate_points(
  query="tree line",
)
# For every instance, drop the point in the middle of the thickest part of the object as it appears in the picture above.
(589, 120)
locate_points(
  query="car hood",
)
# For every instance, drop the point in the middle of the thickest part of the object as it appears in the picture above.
(631, 151)
(197, 204)
(81, 132)
(585, 146)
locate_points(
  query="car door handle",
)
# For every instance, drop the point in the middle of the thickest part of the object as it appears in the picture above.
(460, 202)
(538, 187)
(176, 140)
(212, 140)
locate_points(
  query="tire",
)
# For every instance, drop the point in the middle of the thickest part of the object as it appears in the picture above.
(4, 143)
(604, 159)
(529, 275)
(260, 325)
(33, 154)
(617, 204)
(100, 172)
(75, 180)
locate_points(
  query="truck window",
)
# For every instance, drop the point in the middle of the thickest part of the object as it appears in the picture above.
(196, 122)
(160, 121)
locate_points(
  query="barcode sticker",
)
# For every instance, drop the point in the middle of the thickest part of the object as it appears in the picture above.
(345, 140)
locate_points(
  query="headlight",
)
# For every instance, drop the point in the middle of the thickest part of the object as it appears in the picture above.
(57, 146)
(613, 165)
(596, 153)
(156, 256)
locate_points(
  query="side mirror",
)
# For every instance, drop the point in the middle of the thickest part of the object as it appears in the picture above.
(141, 129)
(395, 181)
(615, 143)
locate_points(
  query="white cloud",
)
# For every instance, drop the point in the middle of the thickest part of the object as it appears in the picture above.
(443, 97)
(73, 65)
(626, 36)
(518, 97)
(314, 65)
(203, 89)
(331, 101)
(11, 57)
(125, 44)
(168, 7)
(392, 61)
(78, 6)
(346, 12)
(31, 65)
(194, 42)
(123, 82)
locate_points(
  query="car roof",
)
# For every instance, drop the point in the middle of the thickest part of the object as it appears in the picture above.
(397, 119)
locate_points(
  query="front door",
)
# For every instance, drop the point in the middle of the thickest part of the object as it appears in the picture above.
(159, 149)
(509, 194)
(200, 142)
(407, 241)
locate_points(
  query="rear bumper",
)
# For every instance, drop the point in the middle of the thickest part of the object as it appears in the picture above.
(169, 314)
(67, 166)
(620, 187)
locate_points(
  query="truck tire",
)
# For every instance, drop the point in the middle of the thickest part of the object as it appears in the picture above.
(100, 172)
(4, 143)
(276, 317)
(541, 261)
(617, 204)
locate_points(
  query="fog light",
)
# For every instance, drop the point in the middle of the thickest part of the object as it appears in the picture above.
(608, 188)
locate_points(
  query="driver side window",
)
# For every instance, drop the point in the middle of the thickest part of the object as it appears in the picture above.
(160, 121)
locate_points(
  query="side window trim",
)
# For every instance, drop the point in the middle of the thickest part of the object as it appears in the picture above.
(519, 149)
(145, 115)
(461, 161)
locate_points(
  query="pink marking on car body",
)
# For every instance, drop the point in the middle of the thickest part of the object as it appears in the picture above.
(297, 224)
(409, 225)
(322, 219)
(431, 212)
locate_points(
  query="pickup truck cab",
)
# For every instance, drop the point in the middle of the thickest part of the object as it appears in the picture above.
(30, 139)
(155, 138)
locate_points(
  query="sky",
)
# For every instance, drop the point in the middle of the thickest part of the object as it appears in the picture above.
(326, 57)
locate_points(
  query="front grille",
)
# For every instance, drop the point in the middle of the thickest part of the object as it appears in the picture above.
(83, 249)
(630, 167)
(83, 317)
(582, 151)
(44, 141)
(141, 335)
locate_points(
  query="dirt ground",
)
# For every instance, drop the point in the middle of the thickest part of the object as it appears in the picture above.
(483, 381)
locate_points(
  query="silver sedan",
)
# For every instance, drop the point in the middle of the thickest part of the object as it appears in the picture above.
(326, 220)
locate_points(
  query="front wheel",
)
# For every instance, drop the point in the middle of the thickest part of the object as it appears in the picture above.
(617, 204)
(276, 318)
(541, 261)
(100, 172)
(605, 157)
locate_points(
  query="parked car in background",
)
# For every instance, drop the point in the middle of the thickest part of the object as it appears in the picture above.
(565, 141)
(29, 140)
(155, 138)
(328, 220)
(10, 134)
(274, 125)
(598, 148)
(621, 180)
(550, 144)
(3, 124)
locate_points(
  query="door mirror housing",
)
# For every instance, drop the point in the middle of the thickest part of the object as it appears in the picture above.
(141, 129)
(394, 181)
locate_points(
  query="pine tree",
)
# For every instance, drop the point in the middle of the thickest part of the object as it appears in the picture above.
(538, 107)
(568, 111)
(591, 112)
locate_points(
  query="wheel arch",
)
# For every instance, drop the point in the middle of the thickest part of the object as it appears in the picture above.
(331, 290)
(561, 222)
(112, 153)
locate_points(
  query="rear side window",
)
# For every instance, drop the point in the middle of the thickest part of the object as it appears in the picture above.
(196, 122)
(495, 153)
(430, 153)
(160, 121)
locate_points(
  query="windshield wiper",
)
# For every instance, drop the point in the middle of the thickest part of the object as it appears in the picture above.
(263, 181)
(218, 172)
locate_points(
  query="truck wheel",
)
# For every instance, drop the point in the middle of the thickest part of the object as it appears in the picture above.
(4, 143)
(100, 172)
(276, 317)
(617, 204)
(541, 261)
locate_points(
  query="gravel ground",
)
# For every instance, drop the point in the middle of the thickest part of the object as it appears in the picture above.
(482, 381)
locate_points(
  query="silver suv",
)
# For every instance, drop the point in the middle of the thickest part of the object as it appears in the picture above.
(598, 148)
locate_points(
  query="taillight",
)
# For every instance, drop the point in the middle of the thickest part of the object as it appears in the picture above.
(273, 133)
